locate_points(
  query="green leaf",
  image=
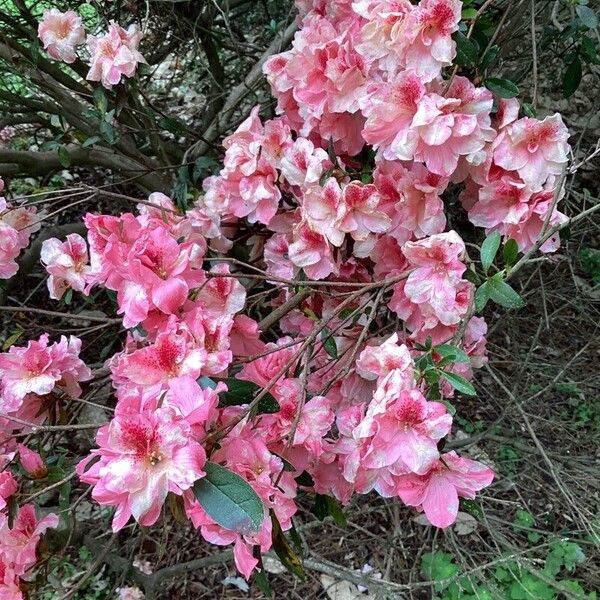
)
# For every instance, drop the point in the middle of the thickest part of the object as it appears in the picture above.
(572, 78)
(589, 52)
(528, 110)
(289, 559)
(100, 100)
(90, 141)
(64, 158)
(468, 14)
(501, 87)
(242, 392)
(180, 190)
(488, 250)
(329, 343)
(482, 295)
(501, 293)
(108, 132)
(437, 566)
(260, 578)
(460, 384)
(489, 57)
(229, 500)
(450, 407)
(203, 166)
(448, 350)
(467, 50)
(510, 252)
(587, 16)
(327, 506)
(12, 339)
(173, 126)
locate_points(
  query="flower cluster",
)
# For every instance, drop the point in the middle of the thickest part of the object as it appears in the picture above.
(323, 361)
(113, 55)
(17, 223)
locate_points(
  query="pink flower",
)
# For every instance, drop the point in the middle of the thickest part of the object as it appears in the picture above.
(408, 431)
(16, 226)
(437, 272)
(390, 108)
(61, 33)
(311, 251)
(8, 486)
(32, 462)
(449, 127)
(66, 262)
(114, 54)
(172, 355)
(437, 492)
(428, 30)
(378, 360)
(143, 457)
(18, 543)
(130, 593)
(302, 163)
(412, 199)
(535, 149)
(360, 214)
(38, 368)
(9, 250)
(322, 210)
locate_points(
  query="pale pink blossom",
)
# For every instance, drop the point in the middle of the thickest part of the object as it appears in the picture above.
(61, 33)
(311, 251)
(437, 270)
(114, 55)
(437, 492)
(142, 457)
(130, 593)
(535, 149)
(360, 211)
(428, 36)
(322, 209)
(302, 163)
(378, 360)
(66, 263)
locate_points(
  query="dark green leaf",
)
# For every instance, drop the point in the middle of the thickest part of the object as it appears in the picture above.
(510, 252)
(260, 578)
(242, 392)
(489, 57)
(100, 100)
(289, 559)
(482, 295)
(108, 132)
(488, 250)
(305, 480)
(203, 166)
(460, 384)
(587, 16)
(180, 190)
(572, 78)
(466, 50)
(501, 87)
(229, 500)
(501, 293)
(329, 343)
(173, 126)
(68, 296)
(327, 506)
(589, 51)
(64, 158)
(448, 350)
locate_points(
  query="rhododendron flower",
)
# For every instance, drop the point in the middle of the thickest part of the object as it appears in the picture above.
(142, 457)
(114, 54)
(437, 492)
(437, 272)
(61, 33)
(8, 486)
(38, 368)
(378, 360)
(302, 163)
(130, 593)
(66, 262)
(360, 214)
(18, 543)
(311, 251)
(535, 149)
(172, 355)
(322, 209)
(428, 30)
(32, 462)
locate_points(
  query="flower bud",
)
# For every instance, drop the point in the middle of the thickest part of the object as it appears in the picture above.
(32, 462)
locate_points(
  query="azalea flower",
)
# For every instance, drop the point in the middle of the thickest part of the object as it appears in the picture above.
(61, 33)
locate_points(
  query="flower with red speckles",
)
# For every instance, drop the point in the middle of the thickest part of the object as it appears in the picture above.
(142, 457)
